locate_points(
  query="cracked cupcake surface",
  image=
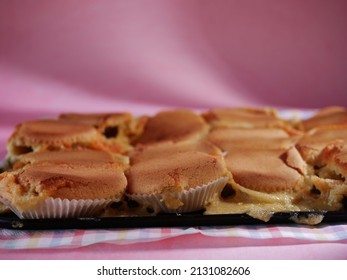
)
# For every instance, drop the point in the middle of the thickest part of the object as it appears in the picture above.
(162, 179)
(47, 176)
(43, 135)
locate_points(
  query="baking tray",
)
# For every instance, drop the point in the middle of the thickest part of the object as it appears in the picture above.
(193, 219)
(10, 221)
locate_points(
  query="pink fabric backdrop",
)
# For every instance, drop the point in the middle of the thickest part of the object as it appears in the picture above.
(62, 55)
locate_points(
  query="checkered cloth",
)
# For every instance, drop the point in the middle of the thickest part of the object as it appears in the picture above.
(18, 239)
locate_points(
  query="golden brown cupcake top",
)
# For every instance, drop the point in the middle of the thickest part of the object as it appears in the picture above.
(243, 117)
(117, 129)
(174, 172)
(53, 132)
(264, 170)
(98, 120)
(51, 135)
(80, 157)
(46, 175)
(111, 125)
(162, 149)
(256, 138)
(176, 125)
(72, 181)
(326, 117)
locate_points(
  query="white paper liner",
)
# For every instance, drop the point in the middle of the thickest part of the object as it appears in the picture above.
(193, 199)
(56, 208)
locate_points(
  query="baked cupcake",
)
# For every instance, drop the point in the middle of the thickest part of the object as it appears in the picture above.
(176, 125)
(147, 152)
(314, 141)
(243, 118)
(45, 185)
(264, 181)
(117, 129)
(176, 182)
(326, 117)
(267, 170)
(328, 181)
(332, 161)
(80, 156)
(43, 135)
(256, 138)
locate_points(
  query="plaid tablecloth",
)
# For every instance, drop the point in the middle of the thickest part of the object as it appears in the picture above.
(17, 239)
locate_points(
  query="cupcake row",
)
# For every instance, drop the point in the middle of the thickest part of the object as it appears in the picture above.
(223, 161)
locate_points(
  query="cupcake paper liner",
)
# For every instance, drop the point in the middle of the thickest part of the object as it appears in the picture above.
(54, 208)
(190, 200)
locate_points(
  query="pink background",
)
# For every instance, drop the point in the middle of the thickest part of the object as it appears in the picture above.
(143, 56)
(63, 55)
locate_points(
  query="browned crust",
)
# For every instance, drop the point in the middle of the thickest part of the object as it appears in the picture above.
(314, 141)
(333, 160)
(163, 149)
(72, 181)
(243, 118)
(98, 120)
(52, 133)
(174, 172)
(256, 138)
(176, 125)
(263, 170)
(83, 174)
(117, 129)
(326, 117)
(44, 135)
(84, 157)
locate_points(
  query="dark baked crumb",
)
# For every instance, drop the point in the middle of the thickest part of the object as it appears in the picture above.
(111, 132)
(228, 192)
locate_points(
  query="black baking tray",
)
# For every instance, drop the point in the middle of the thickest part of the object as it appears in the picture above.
(10, 221)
